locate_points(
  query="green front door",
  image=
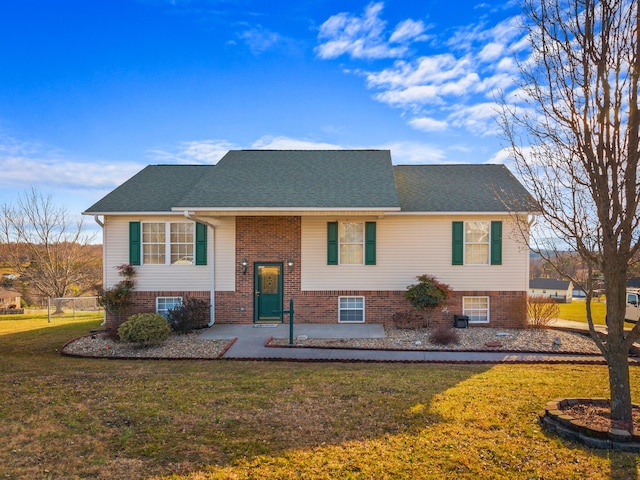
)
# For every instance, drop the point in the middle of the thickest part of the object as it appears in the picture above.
(267, 283)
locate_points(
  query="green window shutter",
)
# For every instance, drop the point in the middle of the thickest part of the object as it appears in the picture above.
(457, 257)
(332, 243)
(134, 243)
(496, 243)
(201, 244)
(370, 243)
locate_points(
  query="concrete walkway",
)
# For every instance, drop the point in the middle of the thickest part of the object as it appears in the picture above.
(251, 340)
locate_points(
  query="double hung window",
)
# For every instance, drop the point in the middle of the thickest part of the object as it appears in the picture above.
(351, 309)
(476, 243)
(167, 243)
(351, 243)
(164, 304)
(477, 308)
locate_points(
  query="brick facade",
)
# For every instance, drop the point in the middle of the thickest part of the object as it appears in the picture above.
(278, 239)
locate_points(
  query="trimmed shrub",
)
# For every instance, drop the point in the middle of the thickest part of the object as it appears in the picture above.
(427, 295)
(145, 329)
(444, 336)
(191, 315)
(541, 310)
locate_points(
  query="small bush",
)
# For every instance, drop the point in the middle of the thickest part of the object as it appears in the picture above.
(541, 310)
(427, 293)
(191, 315)
(145, 329)
(444, 336)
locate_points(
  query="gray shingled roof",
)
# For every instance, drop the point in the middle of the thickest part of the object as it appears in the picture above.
(298, 179)
(549, 283)
(156, 188)
(317, 179)
(460, 188)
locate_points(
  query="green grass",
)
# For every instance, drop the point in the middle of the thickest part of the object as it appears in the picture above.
(78, 418)
(577, 311)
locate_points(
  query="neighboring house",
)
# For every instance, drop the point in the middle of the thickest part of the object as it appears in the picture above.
(560, 290)
(342, 233)
(9, 299)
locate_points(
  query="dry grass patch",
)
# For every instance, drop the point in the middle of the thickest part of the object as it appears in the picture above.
(68, 418)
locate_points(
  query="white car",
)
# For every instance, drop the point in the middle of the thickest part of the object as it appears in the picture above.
(633, 306)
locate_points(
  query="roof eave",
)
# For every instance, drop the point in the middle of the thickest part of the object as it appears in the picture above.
(125, 213)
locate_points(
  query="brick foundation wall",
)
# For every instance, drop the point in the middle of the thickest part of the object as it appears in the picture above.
(145, 302)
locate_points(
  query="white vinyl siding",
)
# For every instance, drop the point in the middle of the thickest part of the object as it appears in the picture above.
(171, 277)
(408, 246)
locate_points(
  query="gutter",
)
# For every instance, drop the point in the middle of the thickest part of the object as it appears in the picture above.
(104, 277)
(212, 293)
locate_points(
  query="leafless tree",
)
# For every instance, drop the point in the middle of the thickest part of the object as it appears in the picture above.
(573, 131)
(50, 254)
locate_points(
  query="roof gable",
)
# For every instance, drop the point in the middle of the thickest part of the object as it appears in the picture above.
(297, 179)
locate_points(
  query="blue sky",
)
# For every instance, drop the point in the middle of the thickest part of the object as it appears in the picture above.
(91, 92)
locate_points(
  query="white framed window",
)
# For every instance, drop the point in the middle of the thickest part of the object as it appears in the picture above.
(168, 243)
(476, 308)
(351, 240)
(477, 236)
(164, 304)
(154, 243)
(351, 309)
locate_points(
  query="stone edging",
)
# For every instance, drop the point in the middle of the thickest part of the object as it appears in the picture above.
(554, 419)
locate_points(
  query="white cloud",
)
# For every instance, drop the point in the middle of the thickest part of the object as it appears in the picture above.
(287, 143)
(491, 51)
(194, 152)
(422, 94)
(403, 153)
(259, 39)
(434, 69)
(27, 165)
(427, 124)
(408, 30)
(365, 36)
(479, 118)
(457, 88)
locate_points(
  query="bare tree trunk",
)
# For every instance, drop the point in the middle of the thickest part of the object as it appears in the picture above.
(616, 352)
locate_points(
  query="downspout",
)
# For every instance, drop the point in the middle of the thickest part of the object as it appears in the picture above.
(104, 276)
(212, 293)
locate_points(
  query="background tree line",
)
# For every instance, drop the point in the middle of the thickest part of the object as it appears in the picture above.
(49, 253)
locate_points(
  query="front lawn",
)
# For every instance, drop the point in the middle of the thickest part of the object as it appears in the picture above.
(79, 418)
(577, 311)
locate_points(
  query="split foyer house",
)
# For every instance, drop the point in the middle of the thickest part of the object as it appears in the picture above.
(342, 233)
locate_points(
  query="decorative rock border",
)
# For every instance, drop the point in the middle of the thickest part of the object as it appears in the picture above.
(555, 419)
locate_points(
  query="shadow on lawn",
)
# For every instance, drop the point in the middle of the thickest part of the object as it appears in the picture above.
(196, 413)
